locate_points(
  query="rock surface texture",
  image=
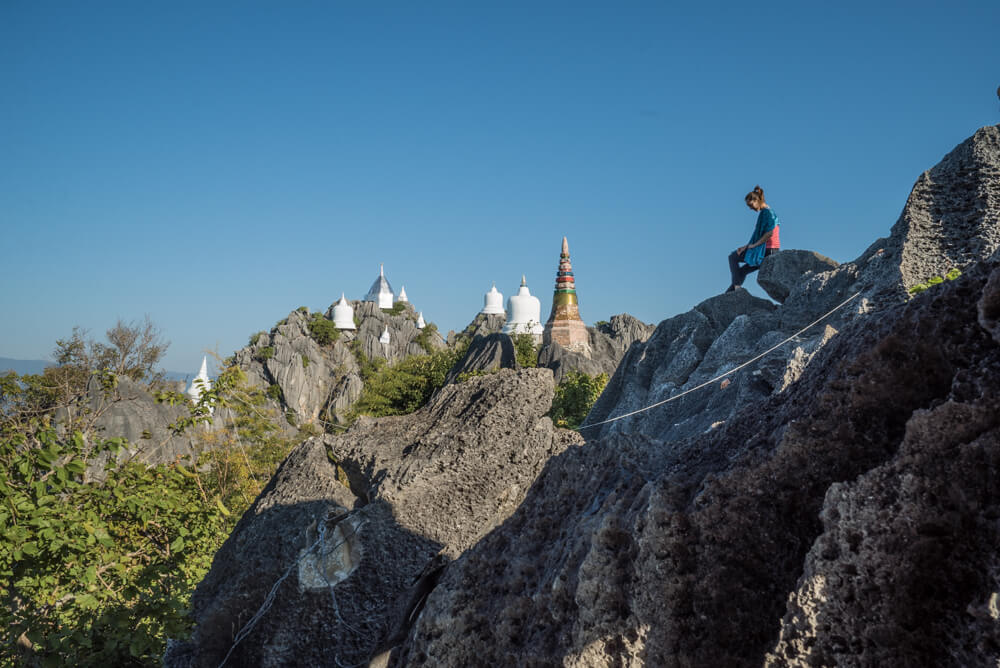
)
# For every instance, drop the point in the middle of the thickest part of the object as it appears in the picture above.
(951, 219)
(323, 381)
(410, 493)
(851, 519)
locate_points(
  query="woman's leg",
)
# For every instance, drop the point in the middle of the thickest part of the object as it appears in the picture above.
(738, 273)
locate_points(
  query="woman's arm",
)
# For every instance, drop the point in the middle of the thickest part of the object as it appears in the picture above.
(763, 239)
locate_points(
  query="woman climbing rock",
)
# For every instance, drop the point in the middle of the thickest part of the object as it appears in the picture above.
(763, 242)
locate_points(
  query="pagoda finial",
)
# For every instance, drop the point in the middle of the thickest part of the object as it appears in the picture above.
(524, 280)
(565, 248)
(381, 268)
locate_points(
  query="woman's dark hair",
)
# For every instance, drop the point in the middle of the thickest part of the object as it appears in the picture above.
(755, 195)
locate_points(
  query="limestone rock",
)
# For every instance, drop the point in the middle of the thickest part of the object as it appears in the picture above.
(608, 344)
(322, 382)
(951, 218)
(849, 520)
(781, 272)
(424, 488)
(486, 354)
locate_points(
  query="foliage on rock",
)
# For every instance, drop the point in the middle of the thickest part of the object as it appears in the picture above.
(101, 574)
(525, 350)
(322, 330)
(403, 387)
(574, 397)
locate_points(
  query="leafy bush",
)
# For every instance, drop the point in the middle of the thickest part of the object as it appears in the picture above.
(426, 335)
(305, 361)
(265, 354)
(322, 330)
(101, 574)
(396, 309)
(274, 392)
(254, 338)
(574, 397)
(935, 280)
(403, 387)
(525, 351)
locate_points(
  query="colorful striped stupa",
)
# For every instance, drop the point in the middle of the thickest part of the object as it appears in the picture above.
(565, 326)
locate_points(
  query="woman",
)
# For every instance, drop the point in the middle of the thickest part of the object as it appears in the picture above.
(765, 240)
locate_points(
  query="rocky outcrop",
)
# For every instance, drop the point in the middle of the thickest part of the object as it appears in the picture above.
(608, 343)
(849, 520)
(951, 218)
(129, 410)
(486, 354)
(359, 542)
(323, 381)
(781, 272)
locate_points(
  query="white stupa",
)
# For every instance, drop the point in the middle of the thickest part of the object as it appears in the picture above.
(420, 320)
(524, 313)
(343, 314)
(402, 295)
(493, 301)
(384, 339)
(201, 382)
(381, 291)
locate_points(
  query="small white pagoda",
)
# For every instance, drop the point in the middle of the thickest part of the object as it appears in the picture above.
(343, 314)
(493, 301)
(201, 382)
(524, 313)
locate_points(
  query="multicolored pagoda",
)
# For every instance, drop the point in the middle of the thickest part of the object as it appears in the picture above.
(565, 326)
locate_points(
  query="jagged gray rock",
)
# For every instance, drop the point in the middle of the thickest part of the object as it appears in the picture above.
(485, 354)
(632, 551)
(322, 382)
(950, 219)
(608, 344)
(781, 272)
(130, 411)
(424, 488)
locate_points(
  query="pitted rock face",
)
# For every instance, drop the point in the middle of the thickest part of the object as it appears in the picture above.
(359, 541)
(951, 218)
(860, 504)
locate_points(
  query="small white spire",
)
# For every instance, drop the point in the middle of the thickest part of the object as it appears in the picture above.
(384, 339)
(420, 320)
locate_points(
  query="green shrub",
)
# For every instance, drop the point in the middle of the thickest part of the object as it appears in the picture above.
(524, 350)
(403, 387)
(426, 335)
(303, 309)
(305, 361)
(574, 397)
(396, 309)
(322, 330)
(254, 338)
(274, 391)
(265, 354)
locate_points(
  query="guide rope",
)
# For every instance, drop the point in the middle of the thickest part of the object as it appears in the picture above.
(271, 595)
(731, 371)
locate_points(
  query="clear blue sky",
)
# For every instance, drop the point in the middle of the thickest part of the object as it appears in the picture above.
(216, 165)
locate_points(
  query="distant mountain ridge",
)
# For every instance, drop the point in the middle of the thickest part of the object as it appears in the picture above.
(22, 367)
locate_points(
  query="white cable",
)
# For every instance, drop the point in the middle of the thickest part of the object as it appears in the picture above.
(719, 377)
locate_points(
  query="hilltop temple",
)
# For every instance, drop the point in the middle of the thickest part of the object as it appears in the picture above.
(565, 326)
(201, 383)
(380, 292)
(524, 312)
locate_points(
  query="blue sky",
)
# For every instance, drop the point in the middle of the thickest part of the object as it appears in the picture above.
(216, 165)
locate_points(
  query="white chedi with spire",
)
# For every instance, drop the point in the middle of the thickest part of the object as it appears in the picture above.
(524, 313)
(201, 382)
(493, 301)
(343, 314)
(384, 339)
(420, 320)
(401, 297)
(381, 291)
